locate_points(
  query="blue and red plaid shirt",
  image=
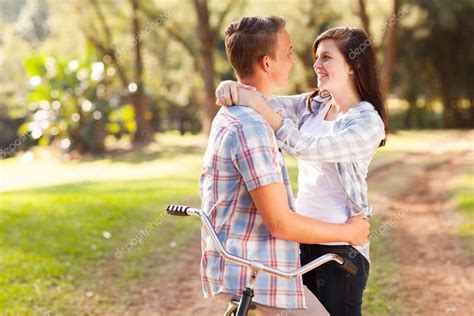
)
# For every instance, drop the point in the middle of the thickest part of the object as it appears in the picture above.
(243, 155)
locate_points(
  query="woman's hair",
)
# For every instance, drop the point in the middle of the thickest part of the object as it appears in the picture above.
(358, 52)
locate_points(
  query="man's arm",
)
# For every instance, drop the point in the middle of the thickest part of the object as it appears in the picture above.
(272, 204)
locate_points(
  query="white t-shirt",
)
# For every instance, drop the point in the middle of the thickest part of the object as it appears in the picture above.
(321, 194)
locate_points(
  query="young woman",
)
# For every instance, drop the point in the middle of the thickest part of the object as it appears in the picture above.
(333, 132)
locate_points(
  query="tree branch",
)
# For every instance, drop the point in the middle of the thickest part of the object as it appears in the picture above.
(364, 18)
(175, 33)
(102, 21)
(222, 17)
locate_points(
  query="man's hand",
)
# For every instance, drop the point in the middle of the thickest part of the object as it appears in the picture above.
(359, 229)
(227, 92)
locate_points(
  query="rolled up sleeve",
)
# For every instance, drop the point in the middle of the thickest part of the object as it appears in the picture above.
(358, 138)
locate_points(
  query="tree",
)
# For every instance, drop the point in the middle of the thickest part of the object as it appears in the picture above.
(440, 61)
(206, 38)
(389, 39)
(305, 24)
(31, 24)
(69, 102)
(201, 51)
(103, 41)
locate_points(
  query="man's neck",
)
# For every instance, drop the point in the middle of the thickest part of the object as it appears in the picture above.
(263, 86)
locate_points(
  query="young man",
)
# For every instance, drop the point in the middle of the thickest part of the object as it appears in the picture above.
(245, 188)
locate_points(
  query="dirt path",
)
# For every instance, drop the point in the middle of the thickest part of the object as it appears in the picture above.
(182, 293)
(436, 276)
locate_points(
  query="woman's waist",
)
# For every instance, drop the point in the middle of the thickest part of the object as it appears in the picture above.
(331, 213)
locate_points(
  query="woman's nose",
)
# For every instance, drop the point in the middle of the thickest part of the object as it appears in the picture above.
(317, 64)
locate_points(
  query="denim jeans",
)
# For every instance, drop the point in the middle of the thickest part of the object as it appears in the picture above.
(339, 293)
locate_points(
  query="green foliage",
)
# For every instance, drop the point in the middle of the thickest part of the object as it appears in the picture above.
(436, 63)
(74, 100)
(433, 91)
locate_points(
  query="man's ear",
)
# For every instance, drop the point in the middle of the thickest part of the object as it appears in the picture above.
(265, 63)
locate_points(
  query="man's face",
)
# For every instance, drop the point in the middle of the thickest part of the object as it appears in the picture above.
(284, 60)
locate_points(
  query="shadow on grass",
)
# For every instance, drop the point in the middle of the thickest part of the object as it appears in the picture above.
(141, 154)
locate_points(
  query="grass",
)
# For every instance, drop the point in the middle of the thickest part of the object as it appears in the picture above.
(58, 238)
(463, 193)
(58, 243)
(380, 293)
(62, 223)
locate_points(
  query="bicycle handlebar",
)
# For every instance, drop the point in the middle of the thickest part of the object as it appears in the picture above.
(181, 210)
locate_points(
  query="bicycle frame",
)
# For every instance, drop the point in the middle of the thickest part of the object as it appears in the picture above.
(255, 266)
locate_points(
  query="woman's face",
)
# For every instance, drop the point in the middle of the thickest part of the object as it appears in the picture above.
(333, 72)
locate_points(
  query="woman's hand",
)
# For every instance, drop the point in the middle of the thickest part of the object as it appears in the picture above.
(252, 99)
(227, 92)
(359, 229)
(231, 92)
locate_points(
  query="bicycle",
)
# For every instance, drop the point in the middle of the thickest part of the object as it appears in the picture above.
(241, 307)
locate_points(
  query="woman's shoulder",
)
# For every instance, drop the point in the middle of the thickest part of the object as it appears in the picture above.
(365, 112)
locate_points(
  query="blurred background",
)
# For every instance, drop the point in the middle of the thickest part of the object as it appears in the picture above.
(105, 107)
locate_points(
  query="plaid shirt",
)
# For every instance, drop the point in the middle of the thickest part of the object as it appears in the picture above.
(242, 155)
(351, 148)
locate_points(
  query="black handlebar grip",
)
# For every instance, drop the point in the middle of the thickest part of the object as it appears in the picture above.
(349, 267)
(177, 210)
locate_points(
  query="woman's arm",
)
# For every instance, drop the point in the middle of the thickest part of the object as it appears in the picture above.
(358, 139)
(292, 105)
(227, 94)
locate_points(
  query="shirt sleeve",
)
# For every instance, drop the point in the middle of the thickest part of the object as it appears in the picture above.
(359, 138)
(293, 106)
(255, 155)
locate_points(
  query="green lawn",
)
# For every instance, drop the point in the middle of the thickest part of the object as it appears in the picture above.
(58, 242)
(463, 192)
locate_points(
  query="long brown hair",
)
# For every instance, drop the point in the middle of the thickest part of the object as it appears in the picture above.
(358, 52)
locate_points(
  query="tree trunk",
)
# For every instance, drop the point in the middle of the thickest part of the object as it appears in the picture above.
(391, 50)
(209, 109)
(391, 47)
(139, 100)
(307, 60)
(408, 124)
(364, 18)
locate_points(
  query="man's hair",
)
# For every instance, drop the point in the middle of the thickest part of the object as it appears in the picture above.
(250, 39)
